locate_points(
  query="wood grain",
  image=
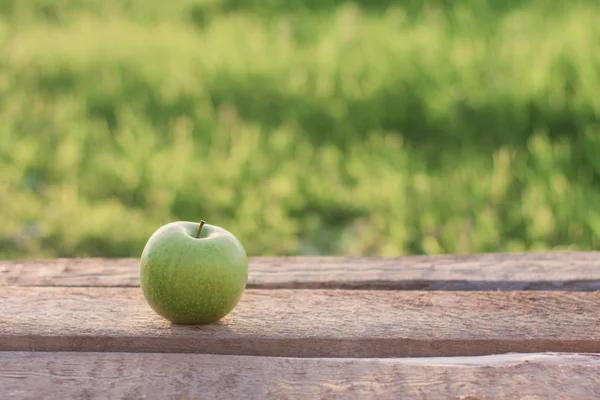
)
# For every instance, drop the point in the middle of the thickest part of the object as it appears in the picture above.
(184, 376)
(307, 323)
(573, 271)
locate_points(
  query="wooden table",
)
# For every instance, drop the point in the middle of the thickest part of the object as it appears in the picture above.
(449, 327)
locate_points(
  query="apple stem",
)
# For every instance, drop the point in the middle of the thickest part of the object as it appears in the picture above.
(200, 228)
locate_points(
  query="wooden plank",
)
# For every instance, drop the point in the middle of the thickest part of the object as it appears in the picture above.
(307, 323)
(573, 271)
(184, 376)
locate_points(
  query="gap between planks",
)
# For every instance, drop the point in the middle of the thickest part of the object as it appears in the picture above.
(570, 271)
(177, 376)
(307, 323)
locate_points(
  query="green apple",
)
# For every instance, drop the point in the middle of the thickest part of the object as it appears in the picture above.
(193, 273)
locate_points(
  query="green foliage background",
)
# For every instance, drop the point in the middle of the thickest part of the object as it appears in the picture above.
(303, 126)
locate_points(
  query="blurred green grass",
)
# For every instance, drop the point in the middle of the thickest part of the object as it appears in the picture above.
(304, 127)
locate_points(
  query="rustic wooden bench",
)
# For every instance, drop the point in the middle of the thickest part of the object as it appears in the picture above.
(464, 327)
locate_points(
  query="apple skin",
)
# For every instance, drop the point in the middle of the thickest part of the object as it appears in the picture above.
(189, 280)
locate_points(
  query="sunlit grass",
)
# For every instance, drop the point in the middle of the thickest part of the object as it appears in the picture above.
(308, 130)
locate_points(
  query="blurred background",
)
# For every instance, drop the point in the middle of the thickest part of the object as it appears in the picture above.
(305, 127)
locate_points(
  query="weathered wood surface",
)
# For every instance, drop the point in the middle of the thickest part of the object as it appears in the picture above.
(184, 376)
(573, 271)
(307, 323)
